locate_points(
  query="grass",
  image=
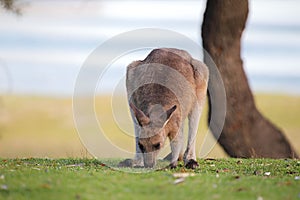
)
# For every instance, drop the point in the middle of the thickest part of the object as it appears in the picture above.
(43, 126)
(90, 179)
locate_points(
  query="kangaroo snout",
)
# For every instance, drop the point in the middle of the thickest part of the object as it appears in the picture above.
(150, 148)
(149, 160)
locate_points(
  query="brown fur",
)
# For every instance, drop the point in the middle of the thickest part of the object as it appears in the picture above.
(160, 107)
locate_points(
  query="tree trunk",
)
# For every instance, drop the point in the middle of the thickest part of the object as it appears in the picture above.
(246, 133)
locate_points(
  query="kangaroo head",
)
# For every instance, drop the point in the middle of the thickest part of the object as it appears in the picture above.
(152, 132)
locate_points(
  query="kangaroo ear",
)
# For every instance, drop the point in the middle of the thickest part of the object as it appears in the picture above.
(169, 113)
(142, 119)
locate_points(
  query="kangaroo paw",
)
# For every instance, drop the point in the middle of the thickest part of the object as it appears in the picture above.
(192, 164)
(126, 163)
(173, 165)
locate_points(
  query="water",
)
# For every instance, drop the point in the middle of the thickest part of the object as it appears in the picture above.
(42, 51)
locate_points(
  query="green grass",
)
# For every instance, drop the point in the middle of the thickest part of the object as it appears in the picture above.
(89, 179)
(44, 126)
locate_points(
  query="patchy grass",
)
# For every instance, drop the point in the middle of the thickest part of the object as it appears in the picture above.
(90, 179)
(43, 126)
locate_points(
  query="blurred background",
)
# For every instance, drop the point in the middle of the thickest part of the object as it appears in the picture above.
(45, 43)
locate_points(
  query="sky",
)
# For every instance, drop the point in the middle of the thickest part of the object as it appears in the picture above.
(42, 51)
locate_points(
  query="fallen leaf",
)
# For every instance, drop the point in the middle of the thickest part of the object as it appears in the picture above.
(4, 187)
(226, 170)
(76, 165)
(182, 175)
(182, 170)
(260, 198)
(179, 180)
(267, 173)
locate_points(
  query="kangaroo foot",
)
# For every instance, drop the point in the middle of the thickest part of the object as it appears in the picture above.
(173, 165)
(126, 163)
(192, 164)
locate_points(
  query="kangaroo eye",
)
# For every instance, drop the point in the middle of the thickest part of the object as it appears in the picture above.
(142, 148)
(156, 146)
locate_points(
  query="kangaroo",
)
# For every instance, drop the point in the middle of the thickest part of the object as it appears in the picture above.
(163, 90)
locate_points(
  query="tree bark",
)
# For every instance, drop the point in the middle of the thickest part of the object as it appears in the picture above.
(246, 133)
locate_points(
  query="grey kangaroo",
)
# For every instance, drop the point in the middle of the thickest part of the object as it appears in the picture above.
(163, 90)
